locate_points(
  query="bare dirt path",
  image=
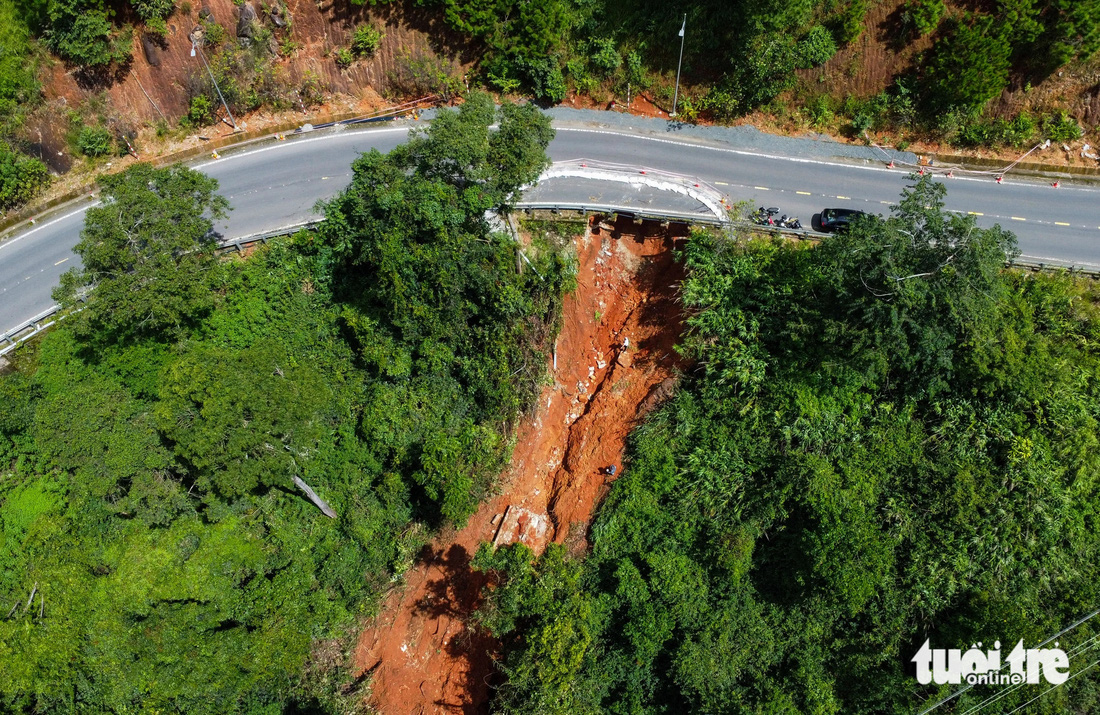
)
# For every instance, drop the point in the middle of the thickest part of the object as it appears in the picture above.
(615, 361)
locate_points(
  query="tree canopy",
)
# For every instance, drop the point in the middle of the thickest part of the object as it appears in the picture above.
(148, 252)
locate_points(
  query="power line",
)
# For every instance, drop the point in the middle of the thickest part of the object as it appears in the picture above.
(1029, 702)
(1065, 630)
(1077, 650)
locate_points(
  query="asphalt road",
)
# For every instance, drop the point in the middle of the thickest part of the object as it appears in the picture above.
(278, 184)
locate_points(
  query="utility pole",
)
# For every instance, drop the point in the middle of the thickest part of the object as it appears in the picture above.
(196, 43)
(676, 96)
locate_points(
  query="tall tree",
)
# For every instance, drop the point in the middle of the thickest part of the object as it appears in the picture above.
(147, 253)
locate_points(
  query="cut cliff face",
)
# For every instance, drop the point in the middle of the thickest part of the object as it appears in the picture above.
(615, 361)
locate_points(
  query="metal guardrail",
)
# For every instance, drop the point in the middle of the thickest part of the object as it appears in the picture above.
(240, 243)
(381, 115)
(633, 212)
(26, 330)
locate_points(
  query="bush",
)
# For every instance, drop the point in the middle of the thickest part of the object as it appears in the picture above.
(21, 178)
(157, 26)
(848, 25)
(366, 40)
(95, 141)
(213, 34)
(1020, 131)
(344, 57)
(422, 74)
(84, 36)
(247, 80)
(925, 15)
(603, 55)
(816, 48)
(821, 110)
(1016, 132)
(861, 122)
(18, 88)
(577, 71)
(545, 79)
(767, 69)
(721, 104)
(1060, 127)
(201, 111)
(635, 72)
(154, 9)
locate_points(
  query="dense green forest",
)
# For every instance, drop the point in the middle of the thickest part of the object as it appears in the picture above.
(154, 541)
(885, 438)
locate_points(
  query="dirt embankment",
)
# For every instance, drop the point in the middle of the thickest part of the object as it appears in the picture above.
(157, 84)
(614, 362)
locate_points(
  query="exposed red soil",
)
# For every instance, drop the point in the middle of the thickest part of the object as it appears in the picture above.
(615, 361)
(317, 29)
(155, 85)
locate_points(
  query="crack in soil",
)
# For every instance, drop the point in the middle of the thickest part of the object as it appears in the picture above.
(425, 654)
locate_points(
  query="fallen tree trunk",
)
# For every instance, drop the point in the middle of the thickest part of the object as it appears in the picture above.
(31, 599)
(321, 503)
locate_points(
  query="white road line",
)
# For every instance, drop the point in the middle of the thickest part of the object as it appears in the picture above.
(296, 142)
(10, 241)
(741, 152)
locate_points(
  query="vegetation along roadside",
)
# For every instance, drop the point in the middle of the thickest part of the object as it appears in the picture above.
(152, 443)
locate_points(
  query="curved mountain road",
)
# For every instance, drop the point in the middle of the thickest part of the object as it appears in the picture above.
(278, 184)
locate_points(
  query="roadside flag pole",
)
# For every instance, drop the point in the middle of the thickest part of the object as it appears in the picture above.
(676, 96)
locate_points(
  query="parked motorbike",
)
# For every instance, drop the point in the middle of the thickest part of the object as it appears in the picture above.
(767, 217)
(763, 216)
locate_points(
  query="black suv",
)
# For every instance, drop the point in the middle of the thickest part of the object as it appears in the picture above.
(834, 220)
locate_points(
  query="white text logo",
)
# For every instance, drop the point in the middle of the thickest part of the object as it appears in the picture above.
(978, 667)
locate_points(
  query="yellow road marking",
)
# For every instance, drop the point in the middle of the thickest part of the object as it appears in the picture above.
(761, 188)
(804, 193)
(721, 183)
(1017, 218)
(1059, 223)
(885, 202)
(975, 213)
(62, 261)
(846, 198)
